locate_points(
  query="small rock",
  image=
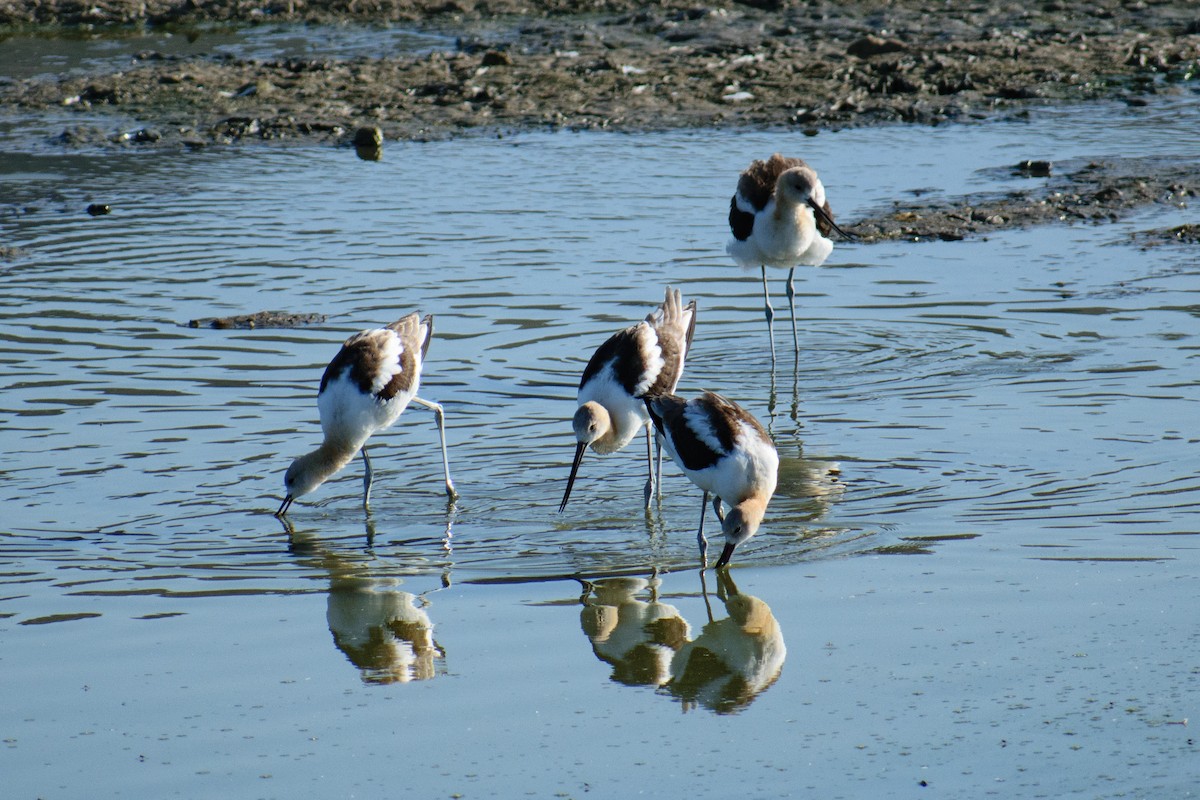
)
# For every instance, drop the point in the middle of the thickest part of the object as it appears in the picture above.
(1034, 169)
(872, 45)
(763, 5)
(368, 136)
(496, 58)
(369, 143)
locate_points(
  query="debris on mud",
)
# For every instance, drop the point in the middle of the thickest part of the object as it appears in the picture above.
(525, 64)
(1181, 234)
(1096, 191)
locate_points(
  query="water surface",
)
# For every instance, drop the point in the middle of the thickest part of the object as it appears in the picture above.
(1013, 414)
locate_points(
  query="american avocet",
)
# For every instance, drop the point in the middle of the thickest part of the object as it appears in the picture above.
(780, 218)
(366, 386)
(726, 452)
(643, 360)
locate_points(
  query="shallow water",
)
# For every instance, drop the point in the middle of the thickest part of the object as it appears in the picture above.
(1015, 414)
(32, 56)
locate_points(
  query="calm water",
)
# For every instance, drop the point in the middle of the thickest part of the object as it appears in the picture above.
(1011, 419)
(26, 56)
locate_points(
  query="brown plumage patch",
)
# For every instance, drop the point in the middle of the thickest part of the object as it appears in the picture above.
(363, 355)
(670, 413)
(409, 331)
(406, 378)
(733, 414)
(757, 183)
(674, 352)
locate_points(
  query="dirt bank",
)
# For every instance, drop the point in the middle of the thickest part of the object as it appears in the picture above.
(623, 65)
(523, 64)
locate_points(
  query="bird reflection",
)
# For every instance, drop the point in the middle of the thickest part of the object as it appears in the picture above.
(773, 397)
(734, 659)
(817, 480)
(384, 631)
(637, 637)
(649, 643)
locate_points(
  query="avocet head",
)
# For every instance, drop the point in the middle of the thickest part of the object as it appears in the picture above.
(593, 426)
(304, 475)
(800, 185)
(740, 524)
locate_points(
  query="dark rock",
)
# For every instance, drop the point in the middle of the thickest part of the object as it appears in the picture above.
(496, 58)
(261, 319)
(368, 137)
(872, 45)
(1033, 169)
(1017, 92)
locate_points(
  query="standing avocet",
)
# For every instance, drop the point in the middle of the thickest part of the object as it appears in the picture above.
(780, 218)
(366, 386)
(641, 361)
(726, 452)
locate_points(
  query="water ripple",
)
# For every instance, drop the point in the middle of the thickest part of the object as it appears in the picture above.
(1011, 388)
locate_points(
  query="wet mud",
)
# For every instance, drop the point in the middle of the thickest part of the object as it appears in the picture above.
(259, 319)
(1091, 192)
(522, 65)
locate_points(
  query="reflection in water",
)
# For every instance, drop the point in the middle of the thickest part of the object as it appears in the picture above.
(384, 631)
(639, 638)
(733, 659)
(648, 643)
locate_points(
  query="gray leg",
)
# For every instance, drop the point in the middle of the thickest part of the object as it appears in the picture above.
(770, 312)
(717, 508)
(440, 418)
(791, 295)
(649, 491)
(658, 462)
(700, 540)
(367, 478)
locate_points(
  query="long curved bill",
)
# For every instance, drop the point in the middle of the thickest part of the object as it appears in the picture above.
(287, 503)
(828, 220)
(726, 554)
(580, 449)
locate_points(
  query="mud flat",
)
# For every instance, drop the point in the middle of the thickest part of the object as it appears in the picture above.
(625, 66)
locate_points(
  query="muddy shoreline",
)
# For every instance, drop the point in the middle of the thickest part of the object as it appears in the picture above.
(516, 66)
